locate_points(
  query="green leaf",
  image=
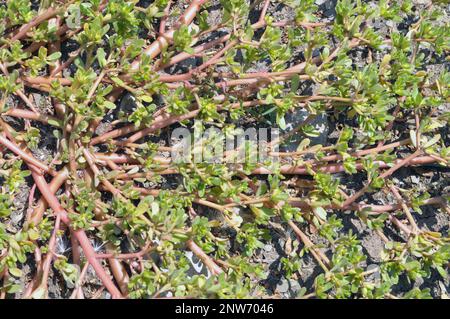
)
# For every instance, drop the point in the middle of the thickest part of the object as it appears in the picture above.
(432, 141)
(39, 293)
(303, 144)
(109, 105)
(33, 234)
(101, 57)
(16, 272)
(295, 83)
(322, 213)
(281, 122)
(14, 289)
(54, 123)
(42, 53)
(54, 56)
(146, 98)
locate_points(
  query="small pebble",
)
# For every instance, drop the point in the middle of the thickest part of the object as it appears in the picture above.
(283, 286)
(415, 179)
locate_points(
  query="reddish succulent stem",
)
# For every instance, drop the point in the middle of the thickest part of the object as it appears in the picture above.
(162, 25)
(19, 92)
(118, 270)
(110, 187)
(56, 47)
(198, 49)
(404, 207)
(209, 45)
(410, 160)
(317, 253)
(164, 40)
(49, 257)
(46, 15)
(42, 205)
(30, 115)
(76, 256)
(138, 254)
(161, 124)
(36, 45)
(263, 11)
(373, 209)
(28, 158)
(337, 168)
(361, 153)
(78, 292)
(79, 234)
(212, 266)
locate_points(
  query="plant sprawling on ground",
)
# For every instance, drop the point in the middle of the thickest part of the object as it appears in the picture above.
(91, 200)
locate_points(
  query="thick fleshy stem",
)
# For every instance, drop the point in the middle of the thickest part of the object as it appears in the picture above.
(78, 233)
(26, 157)
(212, 266)
(165, 39)
(404, 162)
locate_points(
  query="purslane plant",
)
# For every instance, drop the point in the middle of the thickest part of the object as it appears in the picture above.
(116, 75)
